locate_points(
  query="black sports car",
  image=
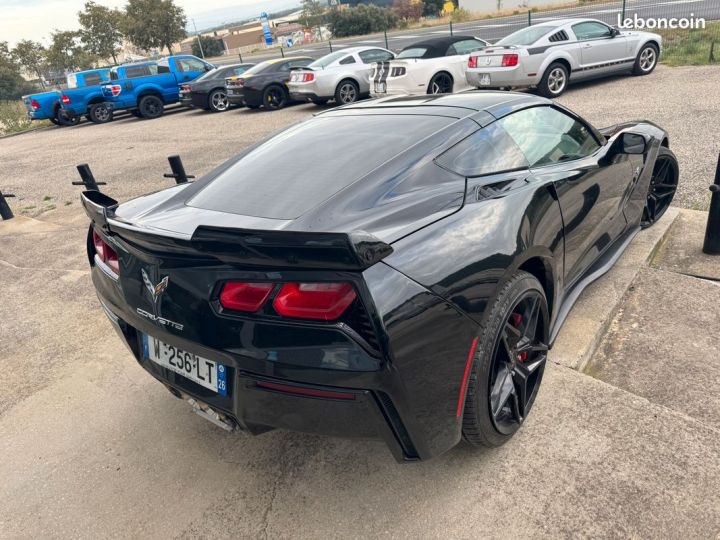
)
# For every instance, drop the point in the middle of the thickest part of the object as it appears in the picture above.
(208, 91)
(406, 286)
(265, 84)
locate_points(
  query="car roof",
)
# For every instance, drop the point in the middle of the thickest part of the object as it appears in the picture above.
(461, 105)
(440, 44)
(563, 22)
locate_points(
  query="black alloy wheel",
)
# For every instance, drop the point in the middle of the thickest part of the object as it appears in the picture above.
(218, 101)
(151, 107)
(663, 185)
(274, 98)
(441, 83)
(509, 363)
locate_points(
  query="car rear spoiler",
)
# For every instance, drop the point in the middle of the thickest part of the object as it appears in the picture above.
(356, 250)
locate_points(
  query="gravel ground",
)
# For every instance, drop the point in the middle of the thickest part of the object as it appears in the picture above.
(130, 154)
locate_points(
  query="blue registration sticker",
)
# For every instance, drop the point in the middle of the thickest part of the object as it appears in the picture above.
(221, 380)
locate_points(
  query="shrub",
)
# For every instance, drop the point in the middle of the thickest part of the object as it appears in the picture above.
(408, 10)
(363, 19)
(460, 15)
(13, 117)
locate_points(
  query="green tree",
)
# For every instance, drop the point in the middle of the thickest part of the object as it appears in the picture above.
(433, 8)
(360, 20)
(312, 15)
(101, 30)
(210, 46)
(32, 57)
(154, 23)
(66, 52)
(12, 85)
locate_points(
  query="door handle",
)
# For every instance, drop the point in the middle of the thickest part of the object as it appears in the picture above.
(588, 45)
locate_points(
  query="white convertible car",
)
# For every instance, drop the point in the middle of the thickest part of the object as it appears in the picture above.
(435, 66)
(552, 54)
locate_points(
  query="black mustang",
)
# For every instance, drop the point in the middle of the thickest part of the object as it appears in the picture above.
(393, 269)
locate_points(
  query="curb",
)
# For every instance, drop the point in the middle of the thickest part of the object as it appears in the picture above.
(597, 306)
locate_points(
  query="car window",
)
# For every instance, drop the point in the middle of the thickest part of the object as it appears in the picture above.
(526, 36)
(375, 55)
(547, 136)
(190, 64)
(92, 79)
(465, 46)
(348, 60)
(412, 52)
(132, 72)
(240, 70)
(488, 151)
(591, 30)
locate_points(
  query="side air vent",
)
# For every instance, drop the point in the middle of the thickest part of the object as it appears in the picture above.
(498, 189)
(559, 36)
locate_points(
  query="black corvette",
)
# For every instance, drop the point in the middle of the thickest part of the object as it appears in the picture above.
(392, 269)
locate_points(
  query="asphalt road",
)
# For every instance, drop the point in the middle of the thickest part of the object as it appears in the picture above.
(494, 29)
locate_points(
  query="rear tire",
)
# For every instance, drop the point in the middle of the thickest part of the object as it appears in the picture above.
(554, 81)
(218, 101)
(275, 97)
(347, 92)
(508, 364)
(151, 107)
(62, 121)
(646, 60)
(100, 113)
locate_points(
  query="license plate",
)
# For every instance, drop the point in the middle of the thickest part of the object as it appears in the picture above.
(199, 370)
(485, 79)
(380, 88)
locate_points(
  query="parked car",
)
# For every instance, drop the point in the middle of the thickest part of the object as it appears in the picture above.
(265, 84)
(434, 66)
(341, 75)
(208, 91)
(48, 105)
(406, 285)
(145, 88)
(84, 97)
(552, 54)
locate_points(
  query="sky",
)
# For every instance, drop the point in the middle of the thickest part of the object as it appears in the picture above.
(36, 19)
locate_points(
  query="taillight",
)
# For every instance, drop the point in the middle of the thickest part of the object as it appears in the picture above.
(34, 104)
(241, 82)
(241, 296)
(472, 62)
(105, 253)
(304, 77)
(65, 99)
(323, 301)
(509, 60)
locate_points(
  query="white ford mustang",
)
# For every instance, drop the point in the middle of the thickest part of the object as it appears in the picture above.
(434, 66)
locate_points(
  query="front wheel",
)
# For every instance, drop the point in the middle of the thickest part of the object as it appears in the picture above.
(441, 83)
(151, 107)
(554, 81)
(508, 363)
(274, 98)
(99, 113)
(663, 184)
(646, 60)
(218, 101)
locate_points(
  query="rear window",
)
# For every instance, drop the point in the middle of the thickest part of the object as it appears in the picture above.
(92, 79)
(526, 36)
(414, 52)
(298, 169)
(328, 59)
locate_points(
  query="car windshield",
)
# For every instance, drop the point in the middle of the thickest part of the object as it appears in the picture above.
(210, 74)
(526, 36)
(328, 59)
(283, 178)
(413, 52)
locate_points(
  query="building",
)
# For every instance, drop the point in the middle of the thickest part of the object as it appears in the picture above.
(492, 6)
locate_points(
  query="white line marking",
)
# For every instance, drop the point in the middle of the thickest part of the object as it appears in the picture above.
(371, 41)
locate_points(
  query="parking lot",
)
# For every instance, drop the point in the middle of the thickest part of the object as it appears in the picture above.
(94, 447)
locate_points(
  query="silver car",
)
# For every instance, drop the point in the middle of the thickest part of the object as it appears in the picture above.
(341, 75)
(552, 54)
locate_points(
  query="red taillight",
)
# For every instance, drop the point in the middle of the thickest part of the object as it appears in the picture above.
(105, 253)
(472, 62)
(310, 392)
(305, 77)
(242, 296)
(241, 82)
(509, 60)
(65, 99)
(34, 104)
(324, 301)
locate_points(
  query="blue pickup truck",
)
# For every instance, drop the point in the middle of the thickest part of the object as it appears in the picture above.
(84, 97)
(146, 88)
(48, 105)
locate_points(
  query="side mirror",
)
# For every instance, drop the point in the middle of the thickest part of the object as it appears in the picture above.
(632, 143)
(614, 32)
(208, 67)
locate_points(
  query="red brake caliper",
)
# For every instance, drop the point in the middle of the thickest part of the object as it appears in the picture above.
(515, 320)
